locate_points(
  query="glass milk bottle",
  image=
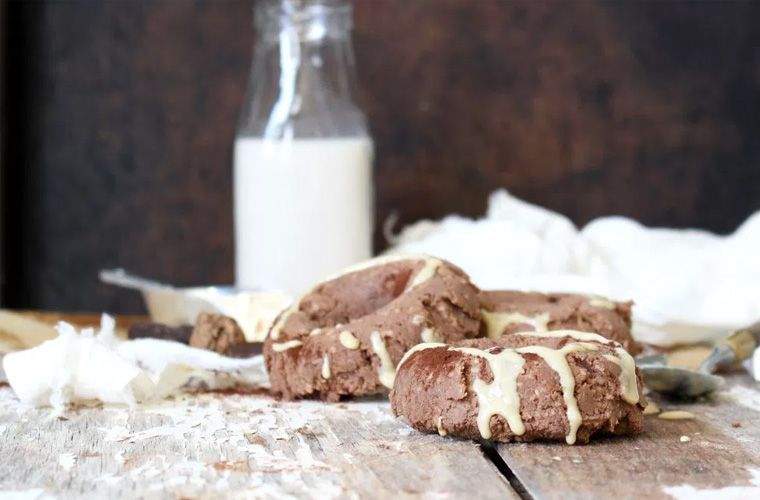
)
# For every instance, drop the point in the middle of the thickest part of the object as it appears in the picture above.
(303, 156)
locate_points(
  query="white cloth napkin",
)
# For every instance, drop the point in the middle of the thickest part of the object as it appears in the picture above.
(688, 285)
(79, 367)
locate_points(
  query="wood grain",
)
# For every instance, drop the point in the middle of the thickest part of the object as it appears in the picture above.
(722, 451)
(220, 446)
(234, 445)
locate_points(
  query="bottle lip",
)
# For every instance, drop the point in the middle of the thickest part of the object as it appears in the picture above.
(311, 19)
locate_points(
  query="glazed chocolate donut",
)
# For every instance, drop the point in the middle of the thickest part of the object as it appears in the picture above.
(345, 337)
(559, 385)
(506, 312)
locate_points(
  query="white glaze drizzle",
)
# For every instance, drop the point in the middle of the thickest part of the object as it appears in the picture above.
(574, 334)
(439, 425)
(431, 264)
(496, 322)
(430, 335)
(651, 408)
(280, 322)
(599, 301)
(501, 397)
(348, 340)
(284, 346)
(386, 372)
(326, 367)
(427, 272)
(316, 331)
(419, 347)
(557, 361)
(629, 386)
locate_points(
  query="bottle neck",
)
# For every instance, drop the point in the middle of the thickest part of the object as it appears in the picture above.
(307, 20)
(303, 79)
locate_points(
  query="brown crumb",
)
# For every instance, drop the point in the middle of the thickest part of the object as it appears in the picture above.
(254, 438)
(216, 332)
(237, 466)
(736, 424)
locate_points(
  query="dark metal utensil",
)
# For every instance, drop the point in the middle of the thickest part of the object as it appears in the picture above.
(682, 382)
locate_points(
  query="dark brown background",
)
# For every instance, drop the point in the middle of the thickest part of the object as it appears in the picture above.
(121, 118)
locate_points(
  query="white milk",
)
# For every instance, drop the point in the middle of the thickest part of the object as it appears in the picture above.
(303, 209)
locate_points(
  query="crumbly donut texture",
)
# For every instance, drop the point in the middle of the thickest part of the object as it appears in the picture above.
(345, 337)
(506, 312)
(562, 385)
(217, 332)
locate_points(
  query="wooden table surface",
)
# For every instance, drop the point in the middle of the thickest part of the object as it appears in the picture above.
(250, 446)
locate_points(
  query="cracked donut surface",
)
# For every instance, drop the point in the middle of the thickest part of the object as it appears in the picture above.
(559, 385)
(346, 336)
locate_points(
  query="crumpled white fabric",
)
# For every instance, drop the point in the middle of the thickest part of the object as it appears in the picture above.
(80, 367)
(688, 285)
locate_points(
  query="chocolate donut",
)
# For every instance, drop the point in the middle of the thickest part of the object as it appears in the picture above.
(559, 385)
(506, 312)
(345, 337)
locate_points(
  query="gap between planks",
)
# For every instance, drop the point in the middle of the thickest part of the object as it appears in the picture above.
(720, 455)
(492, 454)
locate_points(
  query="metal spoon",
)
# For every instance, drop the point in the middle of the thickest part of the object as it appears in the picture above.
(682, 382)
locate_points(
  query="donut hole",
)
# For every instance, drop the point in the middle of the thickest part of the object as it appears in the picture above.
(357, 294)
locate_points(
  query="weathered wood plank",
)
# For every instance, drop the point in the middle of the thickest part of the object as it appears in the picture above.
(721, 450)
(215, 445)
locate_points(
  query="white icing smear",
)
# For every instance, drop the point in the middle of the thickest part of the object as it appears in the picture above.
(497, 322)
(439, 425)
(326, 367)
(424, 274)
(601, 302)
(348, 340)
(280, 322)
(500, 396)
(574, 334)
(430, 335)
(557, 360)
(387, 372)
(419, 347)
(431, 264)
(284, 346)
(629, 386)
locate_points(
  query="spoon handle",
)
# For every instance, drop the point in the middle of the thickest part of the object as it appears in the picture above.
(733, 349)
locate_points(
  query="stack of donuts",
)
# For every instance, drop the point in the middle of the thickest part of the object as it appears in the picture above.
(498, 365)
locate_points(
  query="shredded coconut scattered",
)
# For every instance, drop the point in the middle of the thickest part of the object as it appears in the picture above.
(79, 367)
